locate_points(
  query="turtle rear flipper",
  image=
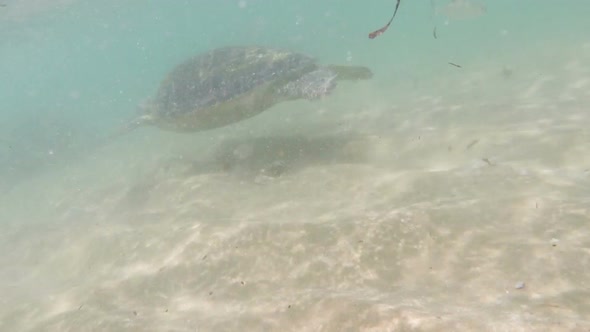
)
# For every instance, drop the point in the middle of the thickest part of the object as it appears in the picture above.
(351, 72)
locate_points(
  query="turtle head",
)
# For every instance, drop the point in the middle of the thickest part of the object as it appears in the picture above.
(139, 121)
(144, 116)
(145, 113)
(144, 107)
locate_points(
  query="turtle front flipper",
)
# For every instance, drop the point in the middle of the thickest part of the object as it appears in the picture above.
(322, 81)
(312, 85)
(351, 72)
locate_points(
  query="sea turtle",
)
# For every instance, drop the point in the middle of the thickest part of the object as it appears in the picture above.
(230, 84)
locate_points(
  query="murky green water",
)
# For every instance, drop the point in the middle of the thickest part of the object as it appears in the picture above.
(432, 197)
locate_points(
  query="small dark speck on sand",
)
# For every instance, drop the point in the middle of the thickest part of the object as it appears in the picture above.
(507, 72)
(487, 161)
(134, 313)
(471, 144)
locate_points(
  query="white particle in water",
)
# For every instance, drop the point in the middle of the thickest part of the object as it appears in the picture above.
(298, 20)
(349, 56)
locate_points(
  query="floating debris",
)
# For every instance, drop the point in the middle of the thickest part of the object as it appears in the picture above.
(454, 64)
(380, 31)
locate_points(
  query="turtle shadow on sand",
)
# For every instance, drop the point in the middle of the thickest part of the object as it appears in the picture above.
(272, 156)
(255, 160)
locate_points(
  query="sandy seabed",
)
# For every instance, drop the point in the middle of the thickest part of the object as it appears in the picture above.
(436, 212)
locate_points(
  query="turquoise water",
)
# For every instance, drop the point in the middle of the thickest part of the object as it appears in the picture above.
(96, 61)
(422, 199)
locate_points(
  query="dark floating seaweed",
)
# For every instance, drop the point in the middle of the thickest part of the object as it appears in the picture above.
(380, 31)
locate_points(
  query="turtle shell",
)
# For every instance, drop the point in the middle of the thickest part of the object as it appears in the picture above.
(224, 74)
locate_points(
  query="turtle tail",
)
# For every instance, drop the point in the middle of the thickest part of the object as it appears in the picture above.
(351, 72)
